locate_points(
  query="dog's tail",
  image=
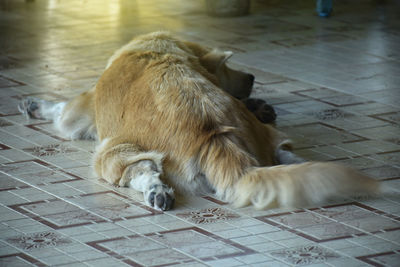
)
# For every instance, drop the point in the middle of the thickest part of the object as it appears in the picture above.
(236, 177)
(296, 185)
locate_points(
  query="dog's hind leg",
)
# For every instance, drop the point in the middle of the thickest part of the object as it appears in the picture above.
(74, 119)
(125, 164)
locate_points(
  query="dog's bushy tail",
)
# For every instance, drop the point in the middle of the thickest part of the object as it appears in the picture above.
(237, 178)
(299, 185)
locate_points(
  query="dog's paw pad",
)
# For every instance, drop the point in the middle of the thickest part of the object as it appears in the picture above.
(160, 197)
(30, 107)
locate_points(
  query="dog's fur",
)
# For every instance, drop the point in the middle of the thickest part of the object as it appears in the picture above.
(165, 111)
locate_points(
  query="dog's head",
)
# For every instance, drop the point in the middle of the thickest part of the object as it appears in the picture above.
(236, 83)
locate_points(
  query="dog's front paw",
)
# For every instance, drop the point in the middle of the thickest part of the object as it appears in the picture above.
(160, 197)
(30, 107)
(264, 112)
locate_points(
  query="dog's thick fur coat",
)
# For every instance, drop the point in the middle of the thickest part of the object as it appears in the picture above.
(164, 112)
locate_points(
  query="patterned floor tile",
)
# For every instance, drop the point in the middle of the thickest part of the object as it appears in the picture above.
(305, 255)
(38, 240)
(209, 215)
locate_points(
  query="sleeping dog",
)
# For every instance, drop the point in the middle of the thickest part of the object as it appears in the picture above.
(167, 117)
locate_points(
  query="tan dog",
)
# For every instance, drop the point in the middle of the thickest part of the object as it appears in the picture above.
(163, 112)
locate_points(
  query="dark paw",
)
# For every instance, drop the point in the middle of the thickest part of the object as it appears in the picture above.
(263, 112)
(29, 107)
(161, 197)
(266, 114)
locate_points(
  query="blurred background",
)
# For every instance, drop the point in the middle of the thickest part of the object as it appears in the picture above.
(56, 38)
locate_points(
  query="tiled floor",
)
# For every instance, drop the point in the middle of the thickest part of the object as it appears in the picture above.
(335, 84)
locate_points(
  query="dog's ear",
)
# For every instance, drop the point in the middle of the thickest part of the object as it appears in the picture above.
(213, 60)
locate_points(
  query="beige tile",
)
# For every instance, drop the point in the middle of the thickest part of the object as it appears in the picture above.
(294, 242)
(7, 250)
(7, 198)
(88, 237)
(59, 259)
(87, 255)
(105, 262)
(356, 251)
(250, 240)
